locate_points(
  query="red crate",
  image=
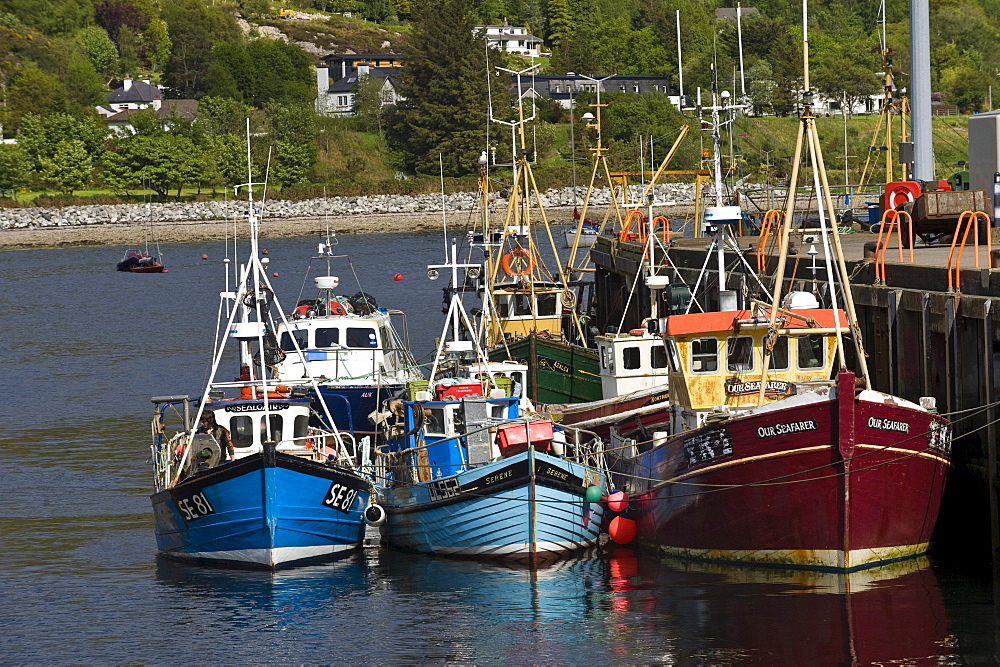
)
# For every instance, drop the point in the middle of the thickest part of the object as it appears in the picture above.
(513, 438)
(456, 392)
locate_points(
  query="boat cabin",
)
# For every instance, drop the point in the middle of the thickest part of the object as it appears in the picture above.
(522, 309)
(631, 362)
(446, 437)
(715, 359)
(287, 424)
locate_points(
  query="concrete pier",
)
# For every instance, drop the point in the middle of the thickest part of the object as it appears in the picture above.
(922, 338)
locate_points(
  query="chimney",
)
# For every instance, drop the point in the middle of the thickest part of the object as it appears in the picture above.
(363, 70)
(127, 83)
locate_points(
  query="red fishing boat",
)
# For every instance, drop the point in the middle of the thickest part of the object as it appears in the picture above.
(775, 452)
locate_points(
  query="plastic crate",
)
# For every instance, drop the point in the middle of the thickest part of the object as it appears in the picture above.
(514, 438)
(455, 392)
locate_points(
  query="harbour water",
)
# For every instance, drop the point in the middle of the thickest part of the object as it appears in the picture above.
(83, 348)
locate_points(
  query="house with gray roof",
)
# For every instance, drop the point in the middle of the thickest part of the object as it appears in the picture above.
(131, 95)
(337, 79)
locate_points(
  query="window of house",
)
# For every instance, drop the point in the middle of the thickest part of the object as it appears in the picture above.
(361, 337)
(327, 337)
(704, 355)
(635, 88)
(241, 431)
(739, 354)
(811, 351)
(342, 100)
(631, 359)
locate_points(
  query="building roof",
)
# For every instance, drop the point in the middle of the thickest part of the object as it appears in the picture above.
(363, 56)
(186, 109)
(347, 83)
(134, 92)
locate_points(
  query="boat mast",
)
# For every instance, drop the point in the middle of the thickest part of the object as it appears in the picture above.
(807, 134)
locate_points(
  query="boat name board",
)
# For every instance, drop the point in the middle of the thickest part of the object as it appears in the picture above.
(774, 387)
(442, 489)
(341, 495)
(881, 424)
(708, 445)
(786, 428)
(549, 364)
(546, 470)
(194, 506)
(256, 407)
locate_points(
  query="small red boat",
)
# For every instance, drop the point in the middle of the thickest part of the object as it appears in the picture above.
(135, 261)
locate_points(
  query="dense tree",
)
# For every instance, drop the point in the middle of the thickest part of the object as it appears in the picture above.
(100, 50)
(15, 168)
(265, 70)
(194, 27)
(369, 103)
(162, 162)
(52, 17)
(446, 95)
(68, 168)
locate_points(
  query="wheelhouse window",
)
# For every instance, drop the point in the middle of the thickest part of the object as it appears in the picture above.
(361, 337)
(327, 337)
(547, 305)
(301, 337)
(631, 359)
(811, 351)
(673, 357)
(739, 354)
(779, 354)
(522, 304)
(241, 431)
(704, 355)
(301, 429)
(658, 356)
(276, 429)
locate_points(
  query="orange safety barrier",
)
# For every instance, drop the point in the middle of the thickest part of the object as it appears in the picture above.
(771, 219)
(626, 234)
(892, 217)
(969, 220)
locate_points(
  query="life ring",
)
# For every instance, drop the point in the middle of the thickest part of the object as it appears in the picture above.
(337, 308)
(517, 257)
(900, 192)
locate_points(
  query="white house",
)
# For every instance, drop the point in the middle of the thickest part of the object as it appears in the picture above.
(130, 96)
(512, 39)
(336, 82)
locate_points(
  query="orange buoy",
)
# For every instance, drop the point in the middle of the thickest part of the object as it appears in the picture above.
(204, 256)
(275, 274)
(617, 501)
(622, 530)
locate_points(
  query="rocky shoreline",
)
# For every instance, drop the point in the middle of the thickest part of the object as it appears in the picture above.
(22, 228)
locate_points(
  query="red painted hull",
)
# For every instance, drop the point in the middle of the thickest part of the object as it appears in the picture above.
(839, 485)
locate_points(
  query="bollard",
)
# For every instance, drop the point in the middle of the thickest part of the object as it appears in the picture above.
(870, 248)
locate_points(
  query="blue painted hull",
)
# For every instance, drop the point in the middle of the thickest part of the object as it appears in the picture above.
(350, 406)
(264, 510)
(529, 507)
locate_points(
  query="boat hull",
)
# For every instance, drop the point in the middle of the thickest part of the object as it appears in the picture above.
(264, 510)
(529, 508)
(559, 372)
(836, 485)
(586, 240)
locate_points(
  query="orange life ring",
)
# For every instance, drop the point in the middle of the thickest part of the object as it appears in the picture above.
(525, 259)
(337, 308)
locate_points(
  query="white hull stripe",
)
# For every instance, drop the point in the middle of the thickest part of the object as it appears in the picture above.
(265, 557)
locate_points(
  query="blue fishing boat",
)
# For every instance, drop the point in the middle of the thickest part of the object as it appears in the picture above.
(350, 345)
(465, 474)
(241, 477)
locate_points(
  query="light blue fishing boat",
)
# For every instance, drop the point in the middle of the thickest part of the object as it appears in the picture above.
(241, 477)
(463, 473)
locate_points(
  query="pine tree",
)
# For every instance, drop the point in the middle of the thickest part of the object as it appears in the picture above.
(444, 83)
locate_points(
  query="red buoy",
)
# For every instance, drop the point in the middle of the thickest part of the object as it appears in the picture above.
(204, 256)
(398, 277)
(622, 530)
(617, 501)
(275, 274)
